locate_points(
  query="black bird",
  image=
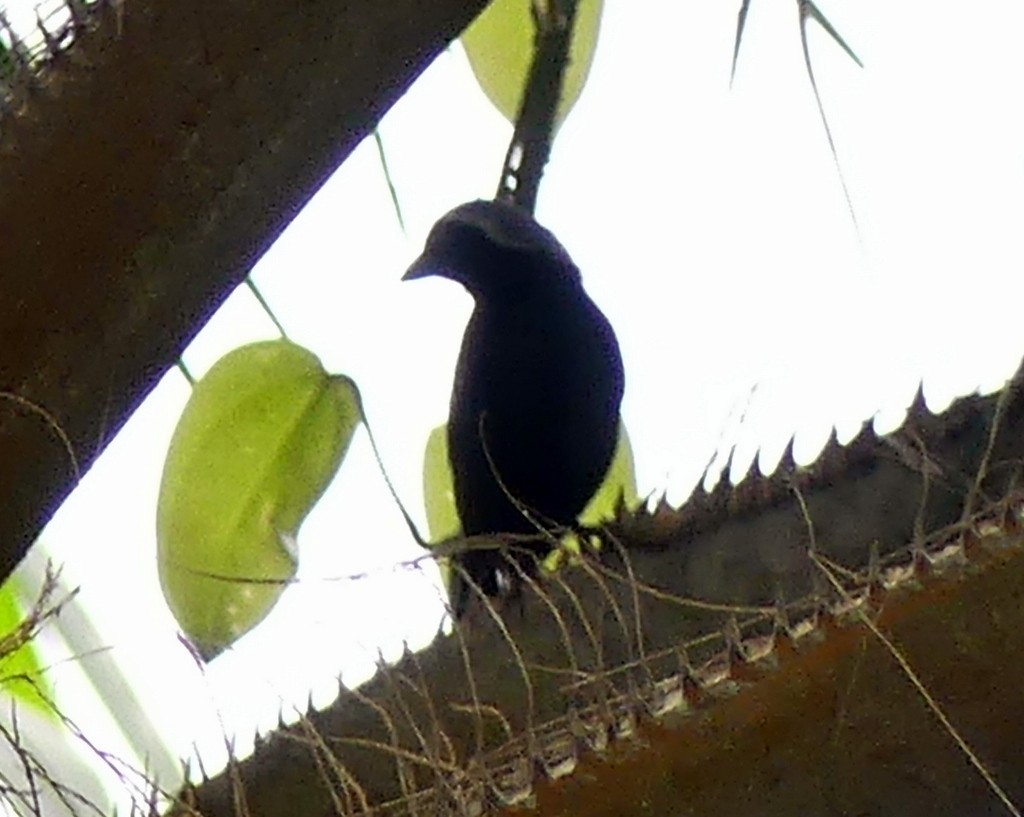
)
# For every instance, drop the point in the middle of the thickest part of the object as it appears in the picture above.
(537, 386)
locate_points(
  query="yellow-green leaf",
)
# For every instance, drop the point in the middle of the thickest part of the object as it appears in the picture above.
(439, 488)
(261, 437)
(499, 44)
(619, 485)
(20, 668)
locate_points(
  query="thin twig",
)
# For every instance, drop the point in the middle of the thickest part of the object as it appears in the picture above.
(51, 421)
(1002, 403)
(384, 472)
(255, 290)
(829, 574)
(922, 690)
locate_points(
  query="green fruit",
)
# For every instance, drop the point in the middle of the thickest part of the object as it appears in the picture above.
(260, 439)
(499, 44)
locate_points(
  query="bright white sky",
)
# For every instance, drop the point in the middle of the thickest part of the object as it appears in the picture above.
(709, 225)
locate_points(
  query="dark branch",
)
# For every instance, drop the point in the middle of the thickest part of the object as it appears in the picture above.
(530, 147)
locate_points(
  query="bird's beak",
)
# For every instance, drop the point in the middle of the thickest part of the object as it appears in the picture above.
(420, 268)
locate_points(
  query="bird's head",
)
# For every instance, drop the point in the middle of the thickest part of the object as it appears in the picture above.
(493, 247)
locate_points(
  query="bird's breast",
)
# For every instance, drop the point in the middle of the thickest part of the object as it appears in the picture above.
(536, 399)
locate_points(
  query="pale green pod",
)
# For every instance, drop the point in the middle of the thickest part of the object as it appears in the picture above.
(258, 442)
(499, 44)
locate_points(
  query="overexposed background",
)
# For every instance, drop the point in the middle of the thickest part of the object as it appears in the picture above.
(711, 227)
